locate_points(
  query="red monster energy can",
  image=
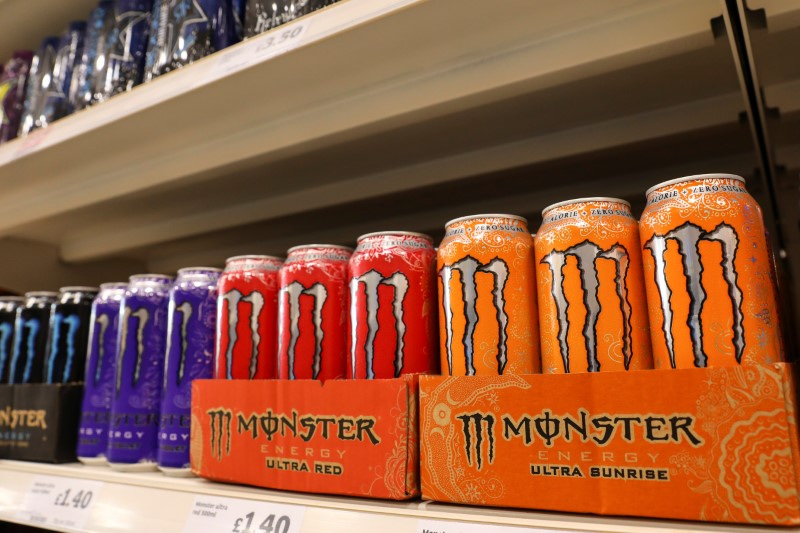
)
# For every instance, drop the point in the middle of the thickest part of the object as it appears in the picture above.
(247, 318)
(312, 313)
(393, 321)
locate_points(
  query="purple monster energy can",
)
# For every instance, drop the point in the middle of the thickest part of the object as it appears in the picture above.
(132, 438)
(69, 335)
(30, 338)
(190, 356)
(8, 314)
(98, 388)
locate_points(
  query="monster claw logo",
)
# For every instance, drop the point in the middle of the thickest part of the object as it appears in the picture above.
(372, 280)
(6, 331)
(587, 253)
(186, 313)
(220, 431)
(102, 321)
(688, 237)
(469, 267)
(320, 295)
(473, 425)
(143, 315)
(32, 326)
(73, 322)
(256, 301)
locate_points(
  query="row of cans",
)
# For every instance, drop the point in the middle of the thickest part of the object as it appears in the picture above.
(122, 44)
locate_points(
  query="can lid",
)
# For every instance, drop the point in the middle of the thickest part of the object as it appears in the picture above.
(12, 299)
(398, 233)
(34, 294)
(693, 178)
(304, 246)
(153, 277)
(78, 288)
(187, 270)
(490, 215)
(585, 200)
(254, 258)
(113, 285)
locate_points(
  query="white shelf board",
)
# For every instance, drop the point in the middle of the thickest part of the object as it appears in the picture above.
(381, 97)
(153, 502)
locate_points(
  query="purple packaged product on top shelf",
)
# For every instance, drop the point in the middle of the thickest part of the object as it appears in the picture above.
(132, 438)
(12, 93)
(190, 356)
(41, 66)
(85, 88)
(30, 338)
(8, 315)
(55, 95)
(98, 386)
(127, 46)
(263, 15)
(69, 335)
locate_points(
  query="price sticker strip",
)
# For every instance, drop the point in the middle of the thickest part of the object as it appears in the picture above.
(262, 47)
(231, 515)
(444, 526)
(61, 502)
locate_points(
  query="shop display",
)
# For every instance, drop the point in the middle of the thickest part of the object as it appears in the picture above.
(189, 356)
(487, 297)
(8, 316)
(13, 82)
(86, 88)
(247, 318)
(68, 339)
(238, 7)
(592, 304)
(708, 274)
(128, 47)
(263, 15)
(312, 313)
(30, 338)
(393, 320)
(156, 56)
(55, 92)
(100, 375)
(132, 440)
(41, 68)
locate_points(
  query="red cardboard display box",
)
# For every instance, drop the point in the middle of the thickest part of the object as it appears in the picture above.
(354, 437)
(716, 444)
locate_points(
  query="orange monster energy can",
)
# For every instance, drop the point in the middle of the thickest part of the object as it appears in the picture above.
(707, 273)
(593, 310)
(487, 297)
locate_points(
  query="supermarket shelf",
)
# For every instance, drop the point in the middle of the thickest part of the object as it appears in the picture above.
(152, 502)
(205, 160)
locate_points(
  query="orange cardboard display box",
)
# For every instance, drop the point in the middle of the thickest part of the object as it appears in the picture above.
(713, 444)
(355, 437)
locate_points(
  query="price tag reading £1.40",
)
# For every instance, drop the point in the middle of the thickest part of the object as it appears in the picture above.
(231, 515)
(62, 502)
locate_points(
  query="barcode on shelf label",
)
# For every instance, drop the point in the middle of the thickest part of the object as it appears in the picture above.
(445, 526)
(59, 502)
(230, 515)
(273, 43)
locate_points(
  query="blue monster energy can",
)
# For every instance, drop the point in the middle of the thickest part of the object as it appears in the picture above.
(99, 383)
(8, 314)
(41, 67)
(30, 337)
(190, 356)
(69, 335)
(142, 339)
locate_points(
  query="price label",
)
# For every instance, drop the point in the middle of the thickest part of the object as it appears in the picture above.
(262, 47)
(59, 501)
(230, 515)
(443, 526)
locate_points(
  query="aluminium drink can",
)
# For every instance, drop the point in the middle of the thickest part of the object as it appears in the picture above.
(30, 337)
(127, 46)
(141, 343)
(69, 335)
(592, 304)
(264, 15)
(41, 67)
(312, 313)
(487, 297)
(12, 93)
(708, 276)
(393, 319)
(190, 355)
(55, 96)
(98, 388)
(247, 318)
(8, 315)
(85, 88)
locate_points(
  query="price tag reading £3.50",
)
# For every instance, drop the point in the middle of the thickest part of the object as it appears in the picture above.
(230, 515)
(59, 501)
